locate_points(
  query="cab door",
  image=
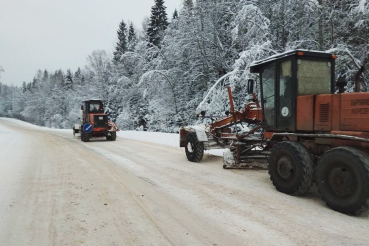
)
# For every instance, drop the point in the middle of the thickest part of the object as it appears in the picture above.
(285, 96)
(268, 88)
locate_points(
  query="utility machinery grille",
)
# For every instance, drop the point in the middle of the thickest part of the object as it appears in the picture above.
(100, 120)
(324, 112)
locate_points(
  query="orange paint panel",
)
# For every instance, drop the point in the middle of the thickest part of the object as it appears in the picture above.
(323, 113)
(305, 113)
(355, 112)
(268, 135)
(336, 111)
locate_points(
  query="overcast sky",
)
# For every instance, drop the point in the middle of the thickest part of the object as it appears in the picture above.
(60, 34)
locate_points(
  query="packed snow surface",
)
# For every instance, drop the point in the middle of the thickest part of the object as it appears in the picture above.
(141, 190)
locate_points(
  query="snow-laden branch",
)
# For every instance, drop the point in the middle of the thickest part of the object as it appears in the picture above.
(203, 105)
(151, 73)
(346, 51)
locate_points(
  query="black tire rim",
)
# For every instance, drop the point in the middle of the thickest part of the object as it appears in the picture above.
(285, 167)
(341, 181)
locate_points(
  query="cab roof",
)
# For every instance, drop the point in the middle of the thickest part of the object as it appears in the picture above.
(255, 66)
(93, 100)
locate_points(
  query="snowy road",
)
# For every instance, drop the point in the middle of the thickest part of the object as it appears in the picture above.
(57, 190)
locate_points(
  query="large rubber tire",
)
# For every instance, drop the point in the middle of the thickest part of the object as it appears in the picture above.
(291, 168)
(113, 137)
(342, 176)
(85, 137)
(194, 148)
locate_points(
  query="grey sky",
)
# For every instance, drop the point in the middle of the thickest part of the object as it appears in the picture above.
(60, 34)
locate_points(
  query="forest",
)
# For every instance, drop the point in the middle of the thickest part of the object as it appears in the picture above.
(161, 72)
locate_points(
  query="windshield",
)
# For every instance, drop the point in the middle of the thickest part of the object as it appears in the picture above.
(314, 77)
(96, 107)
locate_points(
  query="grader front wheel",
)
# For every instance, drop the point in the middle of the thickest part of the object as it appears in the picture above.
(194, 148)
(343, 179)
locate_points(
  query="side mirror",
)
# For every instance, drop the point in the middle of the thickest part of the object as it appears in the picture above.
(250, 86)
(81, 107)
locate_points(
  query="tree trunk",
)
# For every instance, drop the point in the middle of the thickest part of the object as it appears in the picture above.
(320, 21)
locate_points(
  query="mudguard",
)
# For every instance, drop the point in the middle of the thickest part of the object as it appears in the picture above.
(199, 130)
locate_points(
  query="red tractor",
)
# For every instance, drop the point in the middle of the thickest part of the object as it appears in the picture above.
(310, 132)
(95, 122)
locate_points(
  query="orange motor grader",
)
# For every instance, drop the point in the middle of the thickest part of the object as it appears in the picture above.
(311, 134)
(95, 122)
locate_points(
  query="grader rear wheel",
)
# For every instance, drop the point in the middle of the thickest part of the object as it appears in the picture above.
(291, 168)
(343, 179)
(194, 148)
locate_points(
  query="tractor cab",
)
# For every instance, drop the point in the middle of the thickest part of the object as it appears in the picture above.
(95, 122)
(93, 113)
(286, 76)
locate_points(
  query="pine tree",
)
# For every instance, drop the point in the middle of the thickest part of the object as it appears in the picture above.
(78, 74)
(132, 38)
(45, 76)
(34, 83)
(68, 80)
(158, 23)
(122, 45)
(175, 14)
(24, 87)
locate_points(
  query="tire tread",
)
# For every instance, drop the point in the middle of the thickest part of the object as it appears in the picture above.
(307, 165)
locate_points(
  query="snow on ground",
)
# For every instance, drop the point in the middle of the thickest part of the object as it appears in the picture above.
(57, 190)
(23, 124)
(169, 139)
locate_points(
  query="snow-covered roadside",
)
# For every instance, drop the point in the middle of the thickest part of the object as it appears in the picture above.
(23, 124)
(169, 139)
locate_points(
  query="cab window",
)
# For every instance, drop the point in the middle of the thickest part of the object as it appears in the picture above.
(314, 77)
(268, 84)
(285, 89)
(96, 107)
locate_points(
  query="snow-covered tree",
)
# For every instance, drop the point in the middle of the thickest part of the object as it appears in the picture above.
(175, 14)
(163, 71)
(122, 44)
(158, 23)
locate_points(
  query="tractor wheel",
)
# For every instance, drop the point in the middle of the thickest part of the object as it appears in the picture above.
(112, 137)
(85, 137)
(343, 179)
(194, 148)
(291, 168)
